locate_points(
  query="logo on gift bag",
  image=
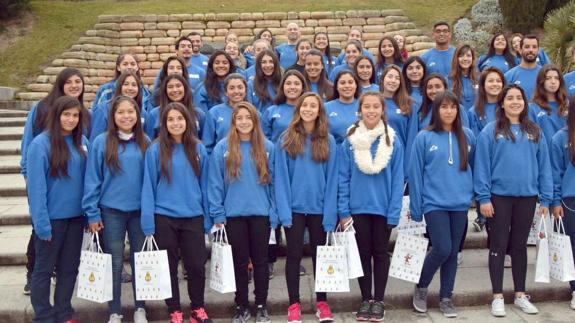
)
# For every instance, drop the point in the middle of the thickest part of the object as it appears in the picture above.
(407, 259)
(555, 257)
(330, 270)
(148, 277)
(92, 278)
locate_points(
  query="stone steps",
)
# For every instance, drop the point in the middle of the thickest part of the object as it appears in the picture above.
(17, 105)
(12, 185)
(10, 147)
(10, 164)
(12, 122)
(12, 113)
(11, 133)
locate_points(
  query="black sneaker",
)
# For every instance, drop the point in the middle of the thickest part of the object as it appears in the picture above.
(271, 270)
(363, 312)
(302, 271)
(376, 312)
(478, 225)
(27, 286)
(262, 315)
(242, 315)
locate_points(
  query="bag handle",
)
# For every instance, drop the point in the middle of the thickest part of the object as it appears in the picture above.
(221, 236)
(95, 247)
(544, 225)
(560, 226)
(149, 244)
(332, 234)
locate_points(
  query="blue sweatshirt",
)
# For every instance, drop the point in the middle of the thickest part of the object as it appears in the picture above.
(106, 94)
(338, 69)
(424, 123)
(477, 123)
(405, 127)
(184, 197)
(469, 92)
(549, 122)
(562, 168)
(250, 73)
(255, 99)
(52, 198)
(200, 60)
(99, 119)
(104, 187)
(204, 102)
(341, 117)
(218, 123)
(434, 183)
(497, 61)
(371, 87)
(29, 134)
(152, 124)
(341, 58)
(228, 199)
(287, 54)
(526, 78)
(497, 161)
(416, 95)
(276, 120)
(306, 186)
(438, 61)
(379, 194)
(570, 82)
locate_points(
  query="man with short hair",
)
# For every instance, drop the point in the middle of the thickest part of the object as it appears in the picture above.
(354, 34)
(525, 74)
(438, 59)
(198, 58)
(286, 52)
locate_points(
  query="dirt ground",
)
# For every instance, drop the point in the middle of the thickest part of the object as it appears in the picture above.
(15, 29)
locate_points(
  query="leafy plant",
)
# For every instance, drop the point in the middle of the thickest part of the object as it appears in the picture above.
(560, 35)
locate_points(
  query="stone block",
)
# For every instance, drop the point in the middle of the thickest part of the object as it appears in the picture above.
(227, 16)
(369, 13)
(108, 26)
(163, 49)
(163, 18)
(399, 26)
(243, 24)
(275, 15)
(76, 47)
(149, 49)
(246, 39)
(130, 34)
(96, 64)
(292, 15)
(353, 21)
(340, 14)
(330, 22)
(257, 15)
(43, 79)
(140, 57)
(207, 39)
(210, 32)
(173, 33)
(132, 26)
(307, 31)
(92, 33)
(246, 16)
(268, 23)
(76, 55)
(242, 31)
(338, 37)
(150, 18)
(133, 18)
(106, 73)
(109, 18)
(311, 23)
(145, 65)
(185, 32)
(110, 65)
(392, 12)
(193, 25)
(39, 87)
(371, 43)
(209, 16)
(72, 62)
(198, 17)
(158, 64)
(374, 29)
(218, 24)
(32, 96)
(180, 17)
(422, 46)
(163, 41)
(221, 32)
(321, 14)
(393, 19)
(58, 62)
(219, 40)
(149, 81)
(134, 50)
(299, 22)
(154, 33)
(105, 34)
(144, 41)
(107, 57)
(150, 26)
(169, 25)
(410, 32)
(338, 30)
(94, 48)
(372, 36)
(128, 41)
(376, 21)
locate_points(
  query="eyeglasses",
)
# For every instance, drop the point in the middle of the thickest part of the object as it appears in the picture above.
(441, 31)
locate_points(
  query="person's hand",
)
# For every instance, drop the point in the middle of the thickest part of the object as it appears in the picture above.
(487, 210)
(345, 222)
(95, 227)
(558, 211)
(543, 211)
(220, 225)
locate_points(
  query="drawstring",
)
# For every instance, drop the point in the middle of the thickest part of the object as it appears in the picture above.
(450, 160)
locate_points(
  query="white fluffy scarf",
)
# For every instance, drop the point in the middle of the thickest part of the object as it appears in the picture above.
(361, 141)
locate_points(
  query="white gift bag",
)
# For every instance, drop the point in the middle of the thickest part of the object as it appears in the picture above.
(331, 267)
(408, 257)
(347, 238)
(561, 255)
(152, 272)
(542, 264)
(95, 280)
(222, 276)
(406, 224)
(534, 231)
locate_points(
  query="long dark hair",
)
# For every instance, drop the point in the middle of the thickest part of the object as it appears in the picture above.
(259, 36)
(327, 51)
(571, 130)
(339, 75)
(436, 125)
(113, 141)
(409, 61)
(324, 86)
(401, 97)
(540, 97)
(425, 101)
(481, 99)
(60, 153)
(281, 97)
(509, 57)
(503, 124)
(121, 81)
(164, 70)
(261, 80)
(355, 125)
(456, 74)
(212, 81)
(187, 100)
(397, 59)
(373, 71)
(119, 61)
(57, 91)
(167, 142)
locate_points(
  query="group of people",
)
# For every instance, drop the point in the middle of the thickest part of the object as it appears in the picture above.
(290, 136)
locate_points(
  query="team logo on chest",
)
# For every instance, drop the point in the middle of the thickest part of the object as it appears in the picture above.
(433, 148)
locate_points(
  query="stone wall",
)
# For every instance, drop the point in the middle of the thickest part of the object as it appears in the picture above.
(151, 38)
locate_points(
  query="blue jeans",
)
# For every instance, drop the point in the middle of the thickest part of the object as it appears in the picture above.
(116, 224)
(445, 229)
(569, 223)
(62, 252)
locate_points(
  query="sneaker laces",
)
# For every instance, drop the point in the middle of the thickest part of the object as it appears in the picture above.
(421, 293)
(324, 310)
(177, 317)
(447, 303)
(201, 313)
(365, 306)
(377, 307)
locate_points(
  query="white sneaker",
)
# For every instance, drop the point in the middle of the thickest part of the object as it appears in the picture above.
(115, 318)
(525, 305)
(572, 304)
(498, 307)
(507, 261)
(140, 316)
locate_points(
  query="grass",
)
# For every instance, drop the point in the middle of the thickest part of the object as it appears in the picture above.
(60, 23)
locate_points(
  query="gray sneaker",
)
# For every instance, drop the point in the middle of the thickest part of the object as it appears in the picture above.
(420, 299)
(446, 307)
(242, 315)
(262, 315)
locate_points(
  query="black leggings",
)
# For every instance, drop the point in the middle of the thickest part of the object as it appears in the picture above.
(372, 235)
(510, 225)
(294, 239)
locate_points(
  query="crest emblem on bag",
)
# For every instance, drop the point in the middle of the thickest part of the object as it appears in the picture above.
(92, 278)
(330, 270)
(407, 259)
(148, 276)
(555, 258)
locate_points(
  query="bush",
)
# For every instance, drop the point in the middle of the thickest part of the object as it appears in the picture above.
(12, 8)
(560, 35)
(523, 15)
(487, 13)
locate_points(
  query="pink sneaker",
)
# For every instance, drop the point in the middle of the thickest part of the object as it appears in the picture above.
(294, 313)
(323, 312)
(176, 317)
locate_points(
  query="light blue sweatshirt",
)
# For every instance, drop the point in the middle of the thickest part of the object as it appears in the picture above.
(549, 122)
(152, 124)
(203, 101)
(562, 168)
(570, 82)
(469, 92)
(52, 198)
(497, 61)
(218, 123)
(255, 99)
(104, 187)
(526, 78)
(435, 184)
(276, 120)
(100, 120)
(405, 128)
(497, 161)
(371, 87)
(183, 197)
(476, 122)
(338, 69)
(438, 61)
(416, 95)
(379, 194)
(341, 117)
(306, 186)
(27, 137)
(287, 54)
(228, 199)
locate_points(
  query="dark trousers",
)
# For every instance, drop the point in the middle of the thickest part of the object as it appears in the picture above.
(372, 235)
(509, 225)
(249, 237)
(569, 223)
(30, 255)
(294, 239)
(184, 237)
(62, 252)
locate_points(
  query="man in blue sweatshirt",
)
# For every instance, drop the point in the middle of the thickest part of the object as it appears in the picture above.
(525, 74)
(197, 58)
(287, 52)
(438, 59)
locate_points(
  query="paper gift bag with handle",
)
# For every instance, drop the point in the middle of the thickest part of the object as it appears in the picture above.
(561, 255)
(152, 272)
(347, 238)
(95, 280)
(408, 257)
(331, 267)
(542, 264)
(222, 276)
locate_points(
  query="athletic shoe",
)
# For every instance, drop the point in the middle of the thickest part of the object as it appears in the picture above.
(302, 271)
(177, 317)
(323, 312)
(420, 299)
(507, 261)
(27, 286)
(262, 315)
(446, 307)
(126, 278)
(140, 316)
(271, 270)
(498, 307)
(459, 258)
(363, 312)
(572, 304)
(242, 315)
(115, 318)
(294, 313)
(199, 315)
(478, 225)
(525, 305)
(376, 312)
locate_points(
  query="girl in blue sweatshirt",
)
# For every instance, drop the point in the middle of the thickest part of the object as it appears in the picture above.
(563, 169)
(498, 55)
(342, 110)
(242, 164)
(353, 49)
(549, 107)
(276, 118)
(316, 75)
(175, 65)
(370, 192)
(219, 117)
(513, 142)
(211, 92)
(262, 90)
(321, 43)
(69, 82)
(414, 72)
(112, 192)
(388, 53)
(174, 205)
(432, 85)
(56, 165)
(306, 192)
(463, 80)
(364, 71)
(441, 188)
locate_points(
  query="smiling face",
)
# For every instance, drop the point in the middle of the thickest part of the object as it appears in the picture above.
(447, 113)
(530, 50)
(125, 116)
(313, 67)
(414, 72)
(268, 65)
(293, 88)
(244, 123)
(73, 86)
(130, 87)
(321, 42)
(175, 90)
(302, 50)
(231, 38)
(465, 59)
(516, 43)
(552, 82)
(364, 70)
(387, 49)
(434, 86)
(196, 43)
(174, 67)
(493, 84)
(232, 49)
(346, 87)
(221, 66)
(500, 43)
(400, 41)
(391, 81)
(309, 109)
(351, 54)
(267, 35)
(293, 32)
(128, 63)
(176, 124)
(69, 120)
(513, 104)
(235, 91)
(371, 111)
(354, 34)
(442, 35)
(185, 49)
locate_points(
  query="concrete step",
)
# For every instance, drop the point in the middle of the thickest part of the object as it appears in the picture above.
(9, 147)
(17, 105)
(472, 288)
(14, 211)
(10, 164)
(11, 133)
(12, 185)
(12, 121)
(12, 113)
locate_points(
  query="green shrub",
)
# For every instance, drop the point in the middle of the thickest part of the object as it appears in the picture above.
(523, 15)
(560, 35)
